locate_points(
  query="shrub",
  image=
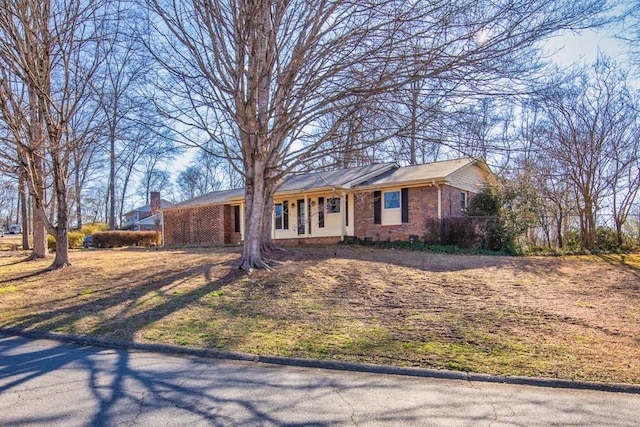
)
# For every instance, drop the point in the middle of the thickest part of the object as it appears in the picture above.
(112, 239)
(468, 232)
(75, 240)
(607, 239)
(89, 229)
(51, 243)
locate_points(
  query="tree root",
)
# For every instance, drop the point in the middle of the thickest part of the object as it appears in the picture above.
(34, 257)
(58, 266)
(248, 264)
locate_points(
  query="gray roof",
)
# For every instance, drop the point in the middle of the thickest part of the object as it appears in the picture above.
(344, 178)
(426, 172)
(377, 174)
(341, 178)
(212, 198)
(147, 208)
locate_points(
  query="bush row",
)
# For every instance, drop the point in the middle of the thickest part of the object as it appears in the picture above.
(486, 233)
(107, 239)
(112, 239)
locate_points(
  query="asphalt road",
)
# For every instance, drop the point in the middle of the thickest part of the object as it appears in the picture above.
(50, 383)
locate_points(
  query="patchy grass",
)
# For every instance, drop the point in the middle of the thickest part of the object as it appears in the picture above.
(563, 317)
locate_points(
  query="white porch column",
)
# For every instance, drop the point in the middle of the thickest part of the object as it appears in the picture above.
(343, 215)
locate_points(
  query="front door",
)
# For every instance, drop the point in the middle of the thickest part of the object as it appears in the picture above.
(301, 215)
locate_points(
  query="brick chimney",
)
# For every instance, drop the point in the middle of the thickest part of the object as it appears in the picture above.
(155, 202)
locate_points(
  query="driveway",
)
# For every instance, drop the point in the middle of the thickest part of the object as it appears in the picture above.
(46, 382)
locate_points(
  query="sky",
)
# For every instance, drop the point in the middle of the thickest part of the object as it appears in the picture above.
(570, 48)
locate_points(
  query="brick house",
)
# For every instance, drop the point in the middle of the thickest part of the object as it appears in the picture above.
(379, 202)
(148, 217)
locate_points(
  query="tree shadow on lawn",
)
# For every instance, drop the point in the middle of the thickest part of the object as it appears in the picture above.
(126, 317)
(20, 279)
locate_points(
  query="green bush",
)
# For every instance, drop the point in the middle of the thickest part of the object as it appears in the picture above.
(607, 239)
(112, 239)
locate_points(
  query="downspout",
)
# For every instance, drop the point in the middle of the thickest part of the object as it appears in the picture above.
(439, 200)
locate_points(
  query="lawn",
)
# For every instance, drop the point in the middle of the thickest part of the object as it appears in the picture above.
(558, 317)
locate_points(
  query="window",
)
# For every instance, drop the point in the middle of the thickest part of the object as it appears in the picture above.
(333, 205)
(392, 200)
(285, 214)
(281, 211)
(463, 201)
(279, 216)
(320, 212)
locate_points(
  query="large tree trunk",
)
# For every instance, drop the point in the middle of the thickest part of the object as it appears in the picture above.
(267, 245)
(40, 248)
(62, 229)
(24, 207)
(255, 200)
(38, 194)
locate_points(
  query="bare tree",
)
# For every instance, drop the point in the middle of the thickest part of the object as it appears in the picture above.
(594, 140)
(264, 73)
(48, 54)
(205, 174)
(126, 108)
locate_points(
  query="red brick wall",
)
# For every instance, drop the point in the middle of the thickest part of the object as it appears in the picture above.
(423, 204)
(202, 225)
(309, 241)
(214, 225)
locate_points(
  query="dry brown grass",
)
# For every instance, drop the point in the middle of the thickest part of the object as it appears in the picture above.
(566, 317)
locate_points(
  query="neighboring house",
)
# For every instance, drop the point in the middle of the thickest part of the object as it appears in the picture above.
(381, 201)
(148, 217)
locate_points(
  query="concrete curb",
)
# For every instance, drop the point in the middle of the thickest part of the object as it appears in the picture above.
(324, 364)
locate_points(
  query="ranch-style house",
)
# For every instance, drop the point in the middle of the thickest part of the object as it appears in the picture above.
(380, 201)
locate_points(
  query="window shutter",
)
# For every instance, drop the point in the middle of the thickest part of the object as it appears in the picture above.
(236, 219)
(404, 200)
(377, 207)
(346, 210)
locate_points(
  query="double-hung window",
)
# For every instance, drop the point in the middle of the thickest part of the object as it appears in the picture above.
(392, 200)
(281, 211)
(391, 207)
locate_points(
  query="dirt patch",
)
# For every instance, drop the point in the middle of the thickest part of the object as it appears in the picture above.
(565, 317)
